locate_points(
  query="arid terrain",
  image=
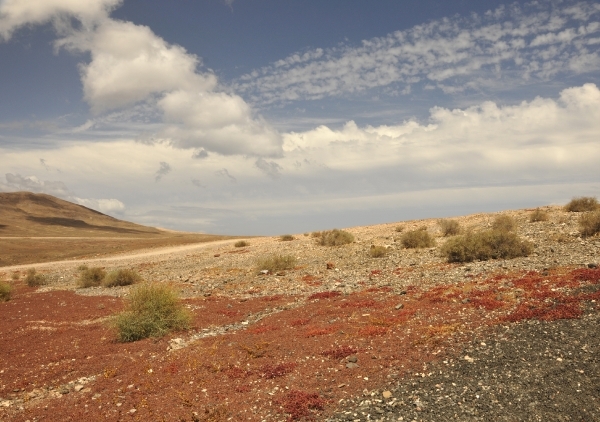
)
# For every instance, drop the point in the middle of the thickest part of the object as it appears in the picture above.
(342, 336)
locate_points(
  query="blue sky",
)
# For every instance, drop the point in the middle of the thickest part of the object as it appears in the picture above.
(270, 117)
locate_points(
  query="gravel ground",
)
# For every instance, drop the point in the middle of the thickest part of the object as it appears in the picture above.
(532, 371)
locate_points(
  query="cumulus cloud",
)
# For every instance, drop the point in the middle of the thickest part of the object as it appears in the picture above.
(130, 65)
(503, 48)
(270, 168)
(163, 170)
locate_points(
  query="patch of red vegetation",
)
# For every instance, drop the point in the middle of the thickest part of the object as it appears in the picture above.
(376, 272)
(366, 303)
(324, 295)
(299, 322)
(319, 331)
(300, 404)
(262, 329)
(269, 371)
(339, 352)
(372, 331)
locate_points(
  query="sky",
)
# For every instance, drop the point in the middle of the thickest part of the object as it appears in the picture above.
(266, 117)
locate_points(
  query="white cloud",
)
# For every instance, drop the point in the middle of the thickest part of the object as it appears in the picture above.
(107, 206)
(18, 13)
(505, 48)
(131, 66)
(270, 168)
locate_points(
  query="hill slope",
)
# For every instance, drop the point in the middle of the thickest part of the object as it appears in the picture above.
(40, 215)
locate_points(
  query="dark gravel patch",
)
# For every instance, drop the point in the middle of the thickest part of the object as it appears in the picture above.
(532, 371)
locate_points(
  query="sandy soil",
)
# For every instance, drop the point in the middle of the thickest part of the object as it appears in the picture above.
(342, 336)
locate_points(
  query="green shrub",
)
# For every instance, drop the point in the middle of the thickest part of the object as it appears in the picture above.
(33, 279)
(419, 238)
(91, 277)
(241, 244)
(5, 291)
(489, 244)
(377, 251)
(582, 204)
(449, 227)
(123, 277)
(589, 224)
(152, 310)
(504, 223)
(286, 237)
(538, 215)
(335, 237)
(276, 263)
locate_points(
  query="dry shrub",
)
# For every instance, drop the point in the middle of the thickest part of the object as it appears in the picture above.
(276, 263)
(316, 234)
(91, 277)
(582, 204)
(33, 279)
(335, 237)
(5, 291)
(82, 267)
(300, 404)
(123, 277)
(399, 229)
(538, 215)
(377, 251)
(286, 237)
(489, 244)
(241, 244)
(152, 311)
(15, 276)
(504, 223)
(449, 227)
(417, 239)
(589, 224)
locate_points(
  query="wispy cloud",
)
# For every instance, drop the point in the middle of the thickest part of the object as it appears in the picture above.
(270, 168)
(225, 173)
(503, 48)
(163, 170)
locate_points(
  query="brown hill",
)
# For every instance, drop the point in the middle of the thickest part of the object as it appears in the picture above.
(40, 215)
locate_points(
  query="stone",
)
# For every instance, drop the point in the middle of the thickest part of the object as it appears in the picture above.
(351, 365)
(399, 306)
(352, 358)
(592, 265)
(330, 265)
(387, 394)
(78, 388)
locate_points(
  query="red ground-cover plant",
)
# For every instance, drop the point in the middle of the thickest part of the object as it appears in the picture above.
(372, 331)
(299, 322)
(376, 272)
(487, 299)
(269, 371)
(235, 372)
(273, 298)
(367, 303)
(319, 331)
(585, 274)
(300, 404)
(325, 295)
(340, 352)
(262, 329)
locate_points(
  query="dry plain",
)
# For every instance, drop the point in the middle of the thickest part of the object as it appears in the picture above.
(340, 336)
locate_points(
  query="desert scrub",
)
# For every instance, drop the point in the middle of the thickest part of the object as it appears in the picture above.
(33, 279)
(377, 251)
(582, 204)
(241, 244)
(91, 277)
(152, 310)
(15, 276)
(5, 291)
(489, 244)
(335, 237)
(123, 277)
(538, 215)
(315, 234)
(589, 224)
(504, 223)
(449, 227)
(82, 267)
(419, 238)
(274, 263)
(399, 229)
(286, 237)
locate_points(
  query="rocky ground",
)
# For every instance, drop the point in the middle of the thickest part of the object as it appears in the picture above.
(342, 336)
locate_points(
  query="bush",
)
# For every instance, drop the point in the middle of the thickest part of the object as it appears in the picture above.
(316, 234)
(417, 239)
(286, 237)
(123, 277)
(33, 279)
(538, 215)
(91, 277)
(15, 276)
(335, 237)
(589, 224)
(504, 223)
(82, 267)
(449, 227)
(377, 251)
(399, 229)
(152, 310)
(276, 263)
(582, 204)
(241, 244)
(489, 244)
(5, 291)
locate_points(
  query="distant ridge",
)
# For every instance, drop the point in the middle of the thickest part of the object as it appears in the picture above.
(41, 215)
